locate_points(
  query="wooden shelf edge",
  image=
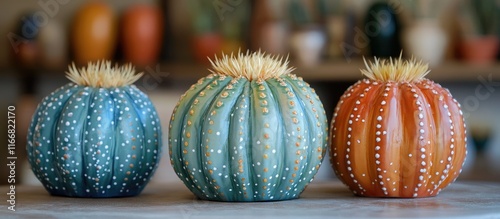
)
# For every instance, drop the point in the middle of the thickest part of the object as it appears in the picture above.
(324, 72)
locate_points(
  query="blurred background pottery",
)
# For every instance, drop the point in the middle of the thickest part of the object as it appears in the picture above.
(426, 40)
(26, 49)
(383, 30)
(308, 38)
(425, 37)
(206, 39)
(480, 50)
(307, 45)
(142, 33)
(94, 33)
(479, 23)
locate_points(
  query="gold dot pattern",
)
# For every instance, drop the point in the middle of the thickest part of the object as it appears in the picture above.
(271, 155)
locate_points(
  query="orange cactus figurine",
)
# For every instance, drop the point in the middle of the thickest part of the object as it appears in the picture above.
(397, 134)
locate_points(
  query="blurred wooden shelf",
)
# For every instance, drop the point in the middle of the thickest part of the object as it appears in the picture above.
(330, 71)
(343, 71)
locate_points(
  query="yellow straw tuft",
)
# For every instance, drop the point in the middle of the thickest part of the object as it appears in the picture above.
(253, 66)
(102, 74)
(397, 70)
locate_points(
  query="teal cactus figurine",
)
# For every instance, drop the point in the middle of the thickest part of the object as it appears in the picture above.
(250, 131)
(99, 136)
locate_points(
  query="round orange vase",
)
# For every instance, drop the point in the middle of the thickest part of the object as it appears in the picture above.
(94, 33)
(480, 50)
(142, 32)
(397, 134)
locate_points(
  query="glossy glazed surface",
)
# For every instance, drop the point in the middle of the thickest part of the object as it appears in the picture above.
(94, 142)
(94, 33)
(397, 139)
(240, 140)
(142, 32)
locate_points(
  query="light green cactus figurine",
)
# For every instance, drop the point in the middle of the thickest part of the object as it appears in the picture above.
(250, 131)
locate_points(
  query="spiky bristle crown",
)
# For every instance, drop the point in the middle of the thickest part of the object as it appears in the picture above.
(103, 74)
(252, 66)
(397, 70)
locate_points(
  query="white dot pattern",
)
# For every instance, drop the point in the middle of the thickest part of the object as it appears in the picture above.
(94, 142)
(401, 149)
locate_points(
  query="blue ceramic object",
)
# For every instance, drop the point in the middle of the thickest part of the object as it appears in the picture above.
(87, 141)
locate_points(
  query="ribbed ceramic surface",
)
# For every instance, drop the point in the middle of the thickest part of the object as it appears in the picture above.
(94, 142)
(240, 140)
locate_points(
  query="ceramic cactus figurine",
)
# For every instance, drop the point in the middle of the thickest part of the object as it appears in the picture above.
(397, 134)
(99, 136)
(250, 131)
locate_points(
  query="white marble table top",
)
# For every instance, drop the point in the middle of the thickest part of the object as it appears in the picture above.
(320, 200)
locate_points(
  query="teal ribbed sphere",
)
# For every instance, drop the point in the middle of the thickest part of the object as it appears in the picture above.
(235, 139)
(94, 142)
